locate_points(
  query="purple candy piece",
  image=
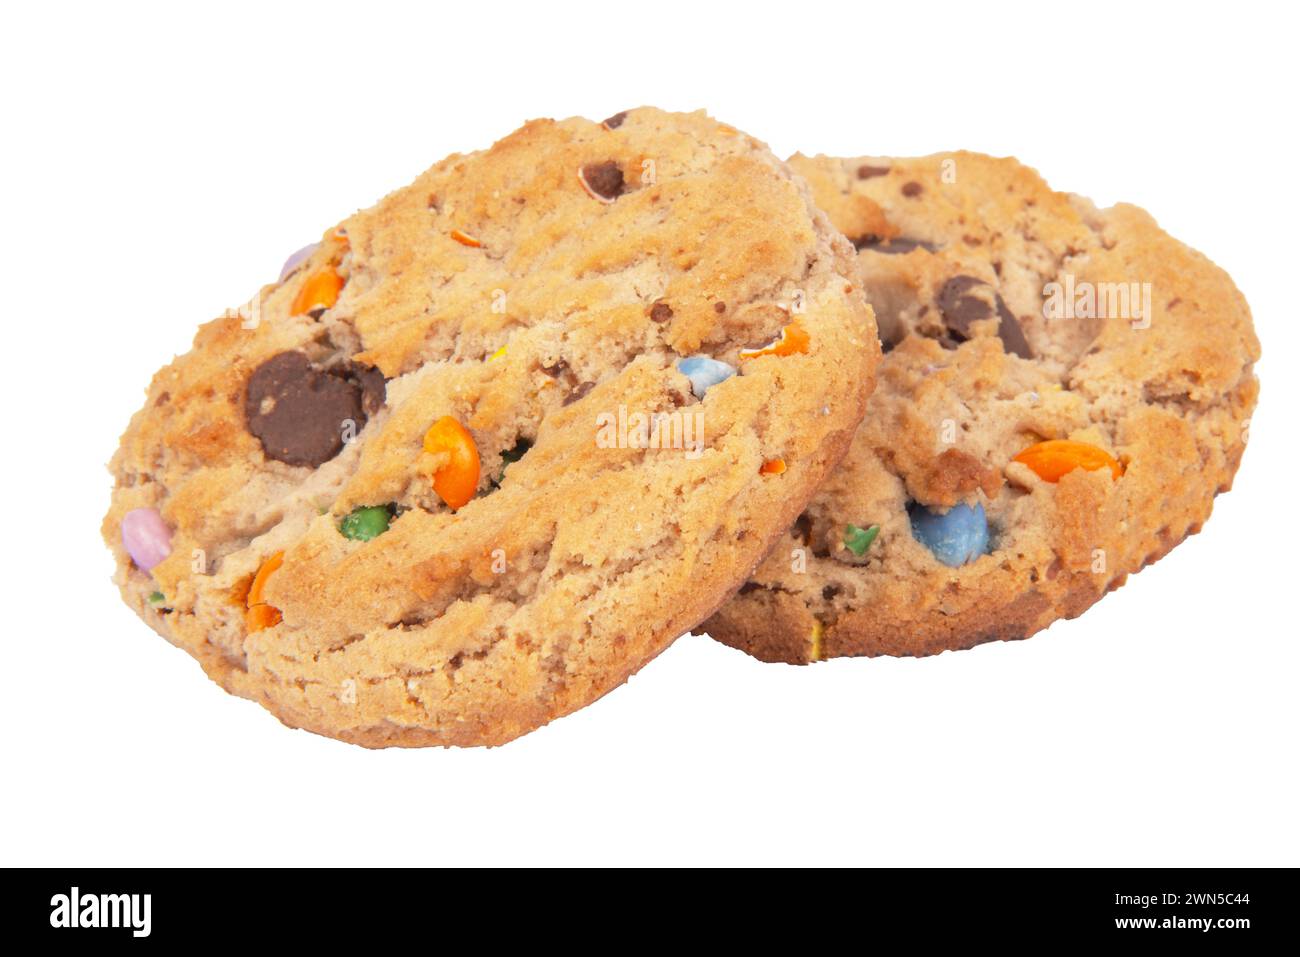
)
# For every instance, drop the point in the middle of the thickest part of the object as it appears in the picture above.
(146, 536)
(294, 261)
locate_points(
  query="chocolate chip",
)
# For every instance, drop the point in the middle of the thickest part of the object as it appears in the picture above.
(557, 369)
(615, 121)
(297, 410)
(866, 171)
(912, 189)
(893, 247)
(719, 307)
(661, 312)
(830, 591)
(1011, 334)
(960, 308)
(604, 179)
(579, 392)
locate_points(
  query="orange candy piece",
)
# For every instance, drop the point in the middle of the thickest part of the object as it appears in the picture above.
(772, 467)
(465, 239)
(320, 290)
(794, 339)
(1055, 457)
(259, 614)
(457, 481)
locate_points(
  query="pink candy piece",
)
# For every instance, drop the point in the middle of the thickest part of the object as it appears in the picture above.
(146, 537)
(294, 261)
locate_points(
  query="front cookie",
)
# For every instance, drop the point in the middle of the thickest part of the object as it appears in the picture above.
(491, 445)
(1065, 391)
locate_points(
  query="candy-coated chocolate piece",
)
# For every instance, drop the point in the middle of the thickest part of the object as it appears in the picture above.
(146, 537)
(259, 614)
(318, 292)
(704, 373)
(858, 540)
(1055, 457)
(955, 537)
(366, 522)
(297, 259)
(794, 339)
(456, 481)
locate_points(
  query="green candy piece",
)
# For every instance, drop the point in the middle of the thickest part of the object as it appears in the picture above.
(364, 523)
(157, 598)
(858, 540)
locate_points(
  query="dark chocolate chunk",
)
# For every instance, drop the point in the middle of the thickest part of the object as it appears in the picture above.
(965, 300)
(615, 121)
(661, 312)
(604, 179)
(1010, 332)
(912, 189)
(298, 411)
(960, 308)
(719, 307)
(867, 171)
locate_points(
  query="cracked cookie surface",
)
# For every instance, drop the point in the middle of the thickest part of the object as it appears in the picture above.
(405, 497)
(1033, 439)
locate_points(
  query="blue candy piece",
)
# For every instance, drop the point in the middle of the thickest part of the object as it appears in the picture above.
(957, 536)
(704, 372)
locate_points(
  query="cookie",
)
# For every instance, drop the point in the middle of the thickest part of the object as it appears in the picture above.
(491, 445)
(1064, 392)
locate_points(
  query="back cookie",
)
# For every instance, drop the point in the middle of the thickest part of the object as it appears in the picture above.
(1065, 391)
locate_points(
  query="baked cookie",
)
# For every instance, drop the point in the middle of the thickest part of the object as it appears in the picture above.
(1064, 392)
(491, 445)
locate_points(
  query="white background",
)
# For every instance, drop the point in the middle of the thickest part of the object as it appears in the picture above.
(158, 166)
